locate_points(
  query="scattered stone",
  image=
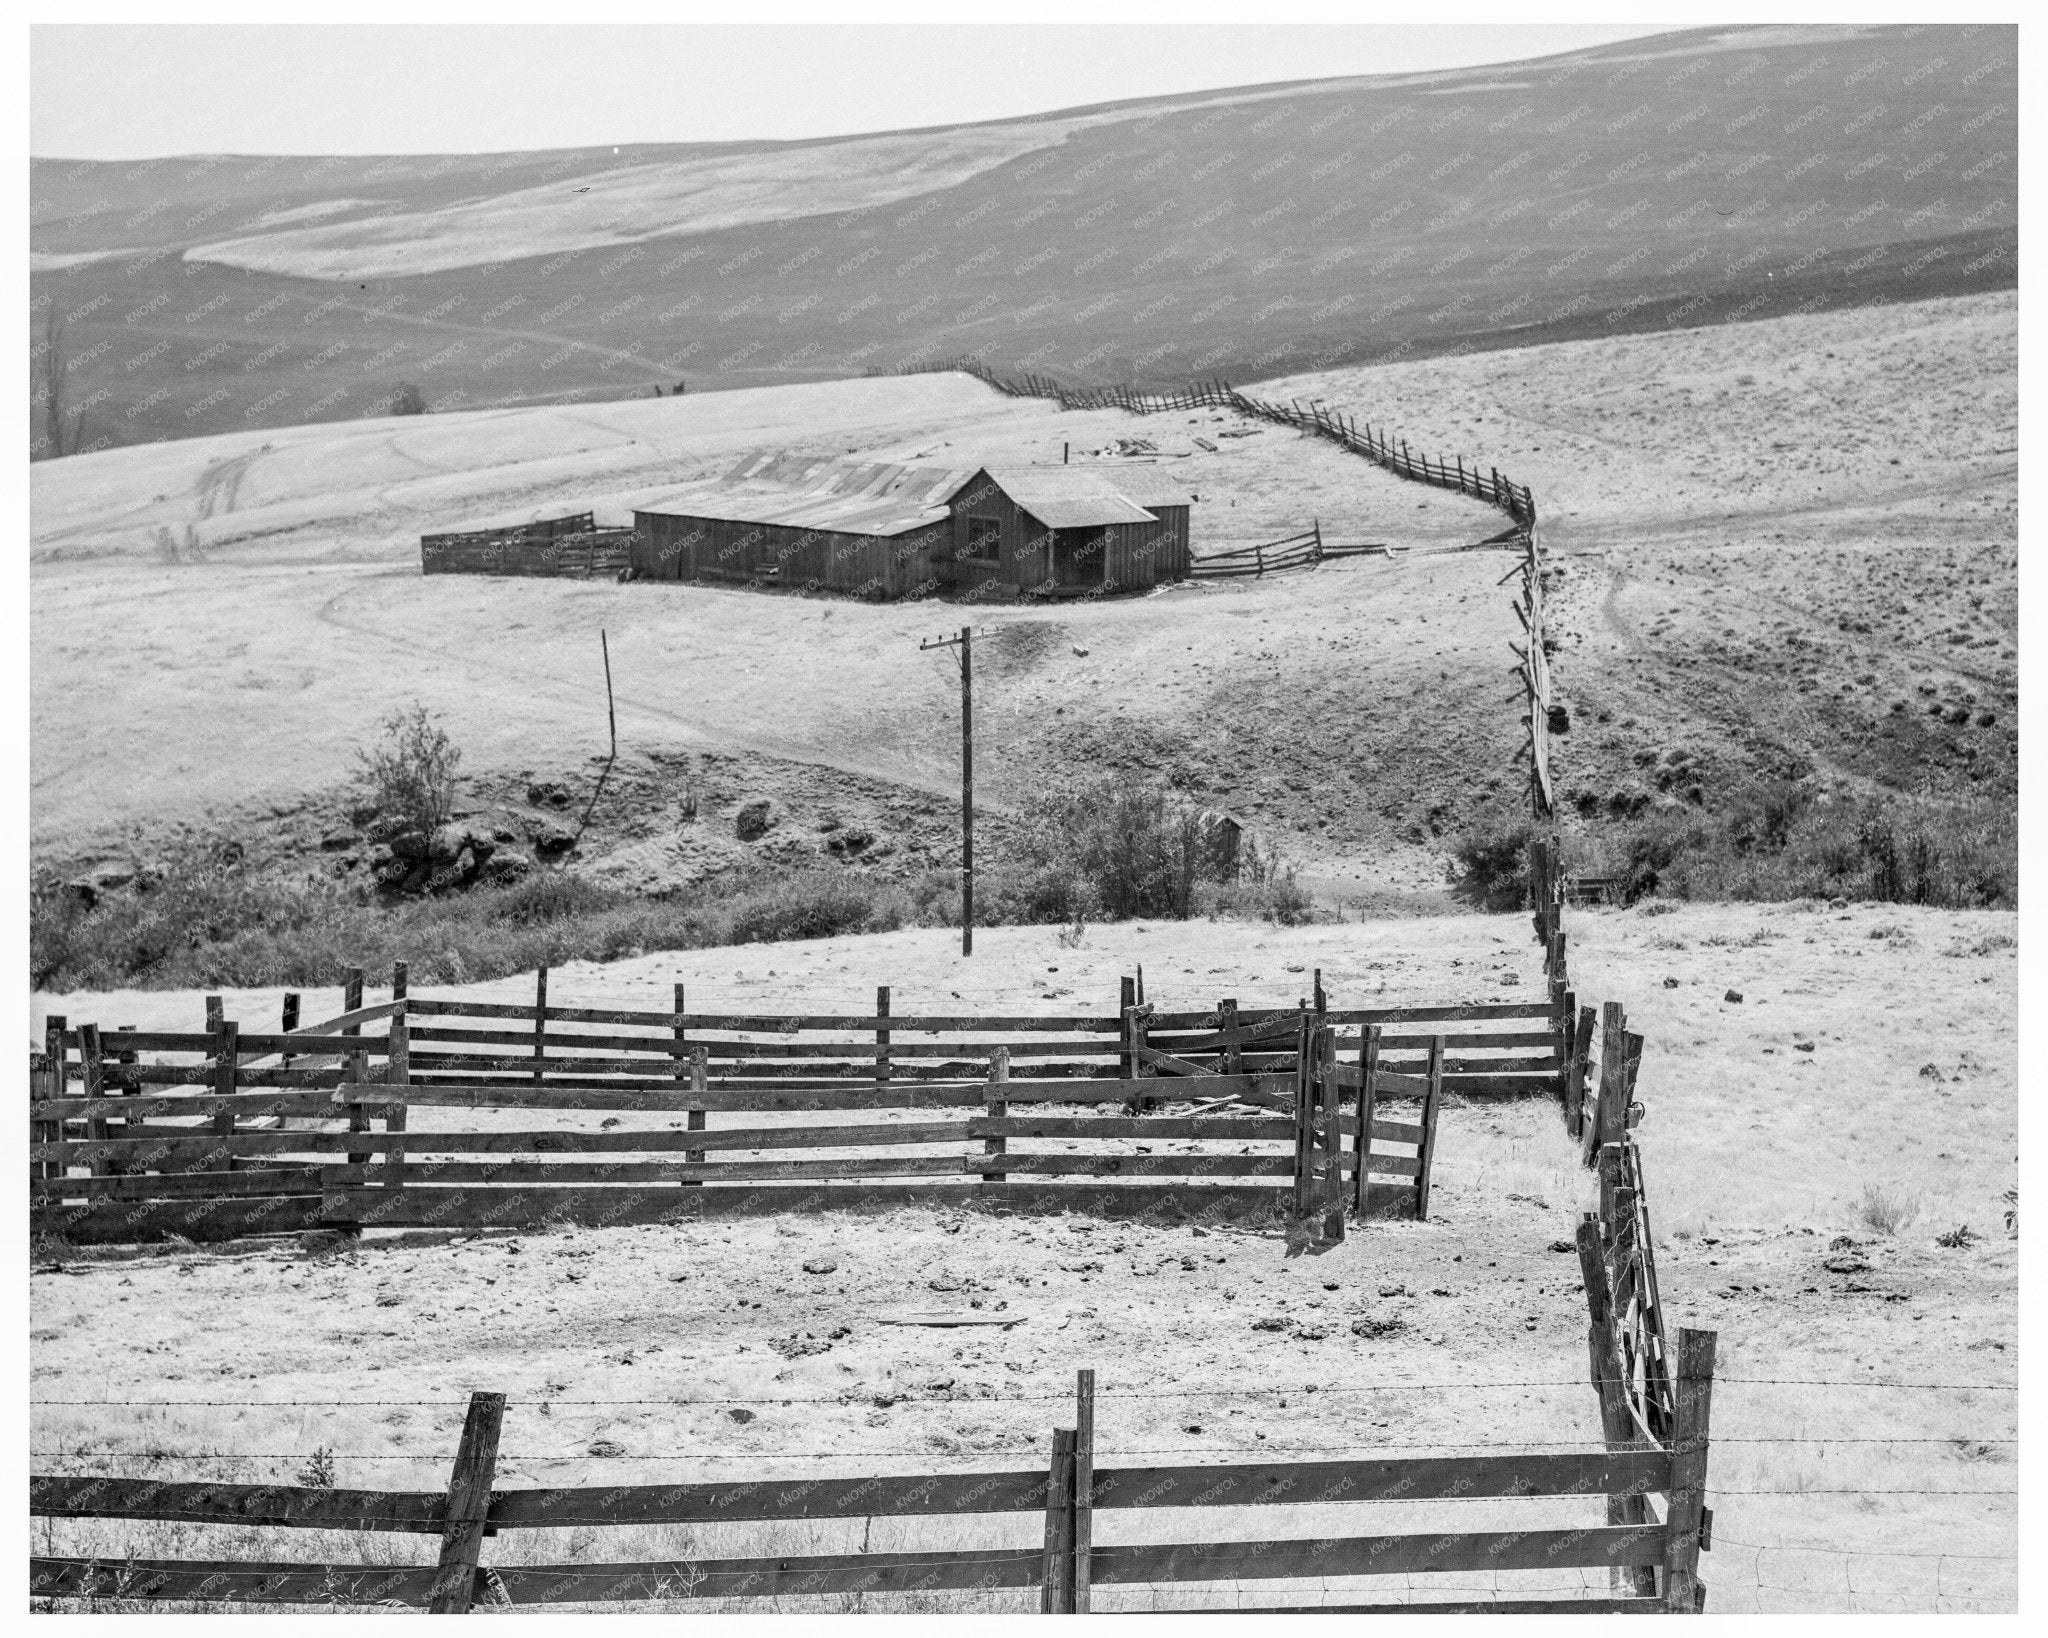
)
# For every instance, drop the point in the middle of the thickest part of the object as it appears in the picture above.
(741, 1415)
(1393, 1291)
(337, 841)
(1849, 1262)
(754, 820)
(552, 837)
(1269, 1324)
(1509, 978)
(507, 865)
(1562, 1245)
(799, 1347)
(548, 793)
(606, 1447)
(1367, 1326)
(1802, 1046)
(1671, 983)
(1930, 1072)
(1734, 997)
(821, 1265)
(852, 839)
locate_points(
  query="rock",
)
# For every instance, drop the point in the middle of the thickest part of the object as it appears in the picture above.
(84, 890)
(1734, 997)
(849, 841)
(1562, 1245)
(337, 841)
(1269, 1325)
(1671, 983)
(1802, 1046)
(1930, 1072)
(820, 1265)
(548, 793)
(381, 827)
(740, 1414)
(1367, 1326)
(1850, 1262)
(754, 820)
(552, 837)
(606, 1447)
(1509, 978)
(1080, 651)
(408, 844)
(507, 865)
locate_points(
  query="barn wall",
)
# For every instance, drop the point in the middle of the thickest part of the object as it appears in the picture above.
(1022, 563)
(1139, 555)
(770, 554)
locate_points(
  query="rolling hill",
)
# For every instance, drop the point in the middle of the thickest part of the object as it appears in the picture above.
(1683, 180)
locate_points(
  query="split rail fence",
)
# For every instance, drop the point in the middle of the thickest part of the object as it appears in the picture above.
(1652, 1561)
(456, 1112)
(568, 548)
(1276, 556)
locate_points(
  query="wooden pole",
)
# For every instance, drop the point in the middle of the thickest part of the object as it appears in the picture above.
(1056, 1581)
(540, 1019)
(1686, 1519)
(397, 1072)
(1232, 1058)
(1368, 1067)
(1126, 998)
(1604, 1357)
(881, 1034)
(1304, 1111)
(1084, 1487)
(226, 1069)
(469, 1505)
(996, 1106)
(94, 1066)
(1575, 1072)
(700, 1076)
(1333, 1134)
(967, 790)
(354, 1064)
(290, 1018)
(1426, 1154)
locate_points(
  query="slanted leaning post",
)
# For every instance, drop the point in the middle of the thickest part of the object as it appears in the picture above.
(468, 1506)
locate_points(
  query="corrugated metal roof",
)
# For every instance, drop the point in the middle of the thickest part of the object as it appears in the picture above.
(1065, 497)
(820, 492)
(787, 488)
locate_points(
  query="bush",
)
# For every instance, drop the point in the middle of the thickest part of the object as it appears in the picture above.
(1118, 849)
(1493, 864)
(815, 904)
(410, 773)
(408, 400)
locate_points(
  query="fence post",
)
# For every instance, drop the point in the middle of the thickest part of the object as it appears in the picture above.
(226, 1068)
(1084, 1488)
(1232, 1061)
(996, 1106)
(1368, 1067)
(1613, 1049)
(1604, 1359)
(881, 1034)
(94, 1067)
(1575, 1074)
(700, 1076)
(1134, 1032)
(469, 1504)
(1333, 1134)
(1056, 1580)
(397, 1072)
(1304, 1111)
(1126, 998)
(1425, 1153)
(289, 1017)
(540, 1020)
(1685, 1519)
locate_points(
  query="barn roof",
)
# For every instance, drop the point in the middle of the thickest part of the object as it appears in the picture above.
(819, 492)
(795, 490)
(1067, 497)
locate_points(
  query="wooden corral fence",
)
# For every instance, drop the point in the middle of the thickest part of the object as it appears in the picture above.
(1653, 1562)
(570, 547)
(465, 1113)
(1376, 446)
(1275, 556)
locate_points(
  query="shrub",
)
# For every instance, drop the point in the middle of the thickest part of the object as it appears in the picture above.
(410, 773)
(1884, 1212)
(1119, 848)
(815, 904)
(1493, 864)
(408, 400)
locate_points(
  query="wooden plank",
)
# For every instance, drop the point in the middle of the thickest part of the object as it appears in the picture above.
(699, 1023)
(468, 1503)
(828, 1095)
(182, 1185)
(1056, 1574)
(207, 1502)
(1365, 1129)
(128, 1223)
(1447, 1553)
(656, 1055)
(1428, 1150)
(601, 1206)
(1691, 1408)
(1080, 1576)
(228, 1581)
(1210, 1128)
(147, 1106)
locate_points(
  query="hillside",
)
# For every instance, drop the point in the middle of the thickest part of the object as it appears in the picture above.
(1788, 548)
(1683, 180)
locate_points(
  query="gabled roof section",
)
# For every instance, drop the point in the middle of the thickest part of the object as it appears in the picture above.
(1065, 497)
(794, 490)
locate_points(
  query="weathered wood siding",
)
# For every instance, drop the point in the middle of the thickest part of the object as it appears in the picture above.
(1022, 564)
(580, 555)
(771, 554)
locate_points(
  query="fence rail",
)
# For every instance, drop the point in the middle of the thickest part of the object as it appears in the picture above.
(1314, 1110)
(1655, 1559)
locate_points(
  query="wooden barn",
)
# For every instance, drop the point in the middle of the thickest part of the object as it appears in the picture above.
(877, 530)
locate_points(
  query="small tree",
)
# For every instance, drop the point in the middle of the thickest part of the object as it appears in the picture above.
(408, 400)
(410, 773)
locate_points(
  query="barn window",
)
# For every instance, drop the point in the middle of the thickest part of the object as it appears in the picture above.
(985, 539)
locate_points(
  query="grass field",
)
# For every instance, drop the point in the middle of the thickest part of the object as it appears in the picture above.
(1758, 1158)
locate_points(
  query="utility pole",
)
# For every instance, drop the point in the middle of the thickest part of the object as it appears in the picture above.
(965, 644)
